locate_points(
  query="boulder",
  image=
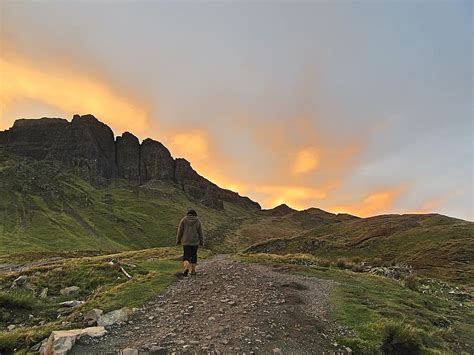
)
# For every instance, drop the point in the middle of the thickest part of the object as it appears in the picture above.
(92, 316)
(69, 290)
(119, 315)
(60, 342)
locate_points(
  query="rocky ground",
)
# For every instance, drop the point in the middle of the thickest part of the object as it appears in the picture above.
(228, 307)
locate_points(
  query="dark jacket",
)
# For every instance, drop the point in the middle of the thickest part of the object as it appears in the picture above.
(189, 231)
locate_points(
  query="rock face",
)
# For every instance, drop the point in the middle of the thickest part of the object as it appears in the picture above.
(87, 147)
(155, 161)
(84, 144)
(128, 156)
(202, 189)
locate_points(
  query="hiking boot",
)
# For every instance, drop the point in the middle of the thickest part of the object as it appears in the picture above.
(193, 273)
(185, 272)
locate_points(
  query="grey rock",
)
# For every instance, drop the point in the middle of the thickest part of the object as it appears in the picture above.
(69, 290)
(119, 315)
(73, 303)
(92, 316)
(60, 342)
(44, 293)
(158, 350)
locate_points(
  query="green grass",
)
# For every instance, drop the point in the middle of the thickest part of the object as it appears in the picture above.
(373, 305)
(102, 285)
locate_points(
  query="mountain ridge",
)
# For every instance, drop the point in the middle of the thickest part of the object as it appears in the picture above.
(92, 150)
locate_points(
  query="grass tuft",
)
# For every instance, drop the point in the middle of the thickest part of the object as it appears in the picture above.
(401, 338)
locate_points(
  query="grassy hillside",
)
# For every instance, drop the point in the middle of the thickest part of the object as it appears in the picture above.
(435, 245)
(44, 209)
(279, 222)
(102, 285)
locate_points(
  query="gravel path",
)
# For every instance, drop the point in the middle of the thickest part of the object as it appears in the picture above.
(229, 307)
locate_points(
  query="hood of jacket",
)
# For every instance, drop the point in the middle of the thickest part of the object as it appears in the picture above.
(190, 220)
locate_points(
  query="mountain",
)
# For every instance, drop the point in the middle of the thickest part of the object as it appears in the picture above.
(88, 148)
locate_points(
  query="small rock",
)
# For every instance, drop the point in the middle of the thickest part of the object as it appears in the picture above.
(277, 351)
(44, 293)
(19, 281)
(91, 317)
(129, 351)
(211, 318)
(119, 315)
(69, 290)
(11, 327)
(71, 303)
(158, 350)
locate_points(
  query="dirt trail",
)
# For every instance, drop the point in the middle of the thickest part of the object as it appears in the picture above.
(229, 307)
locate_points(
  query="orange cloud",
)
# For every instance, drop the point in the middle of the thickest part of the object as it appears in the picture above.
(376, 202)
(68, 90)
(307, 160)
(296, 196)
(194, 145)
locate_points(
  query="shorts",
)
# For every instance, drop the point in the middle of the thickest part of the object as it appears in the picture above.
(190, 253)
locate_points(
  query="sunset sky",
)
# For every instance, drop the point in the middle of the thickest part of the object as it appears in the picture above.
(351, 106)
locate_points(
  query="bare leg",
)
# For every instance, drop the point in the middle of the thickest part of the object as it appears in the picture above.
(186, 267)
(193, 269)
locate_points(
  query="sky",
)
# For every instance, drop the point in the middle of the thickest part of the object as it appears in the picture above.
(362, 107)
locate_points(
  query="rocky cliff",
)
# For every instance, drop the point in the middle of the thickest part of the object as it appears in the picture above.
(88, 147)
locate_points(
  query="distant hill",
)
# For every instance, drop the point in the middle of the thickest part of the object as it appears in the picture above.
(434, 244)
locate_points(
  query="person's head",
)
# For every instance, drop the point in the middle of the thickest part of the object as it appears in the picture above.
(192, 212)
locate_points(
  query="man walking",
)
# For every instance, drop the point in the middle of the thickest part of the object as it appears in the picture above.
(190, 236)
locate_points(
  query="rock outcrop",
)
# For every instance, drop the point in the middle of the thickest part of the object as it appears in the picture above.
(156, 161)
(128, 156)
(204, 190)
(87, 147)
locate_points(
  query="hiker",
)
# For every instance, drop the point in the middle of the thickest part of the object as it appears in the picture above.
(190, 236)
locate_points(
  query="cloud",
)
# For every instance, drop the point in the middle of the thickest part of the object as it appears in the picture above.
(68, 90)
(286, 160)
(306, 160)
(194, 145)
(375, 202)
(293, 195)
